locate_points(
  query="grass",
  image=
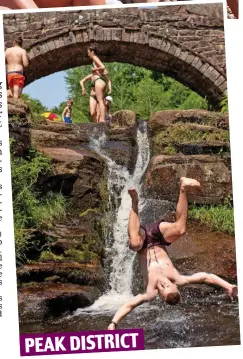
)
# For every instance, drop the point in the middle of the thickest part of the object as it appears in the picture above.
(218, 217)
(32, 208)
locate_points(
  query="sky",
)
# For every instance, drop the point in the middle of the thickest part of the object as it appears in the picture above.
(50, 90)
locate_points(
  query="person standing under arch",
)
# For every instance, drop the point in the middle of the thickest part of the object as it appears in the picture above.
(99, 81)
(93, 102)
(16, 59)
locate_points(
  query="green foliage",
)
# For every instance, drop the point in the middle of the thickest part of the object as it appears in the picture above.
(82, 256)
(220, 217)
(224, 104)
(133, 88)
(31, 208)
(48, 256)
(36, 107)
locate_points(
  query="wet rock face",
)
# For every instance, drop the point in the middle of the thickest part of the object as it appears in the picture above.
(164, 173)
(191, 143)
(38, 302)
(204, 250)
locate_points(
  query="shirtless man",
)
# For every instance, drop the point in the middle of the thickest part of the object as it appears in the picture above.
(67, 112)
(33, 4)
(150, 241)
(16, 59)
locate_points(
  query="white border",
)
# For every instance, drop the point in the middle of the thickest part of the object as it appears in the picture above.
(9, 326)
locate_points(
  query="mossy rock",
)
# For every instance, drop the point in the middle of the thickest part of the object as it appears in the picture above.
(167, 140)
(53, 279)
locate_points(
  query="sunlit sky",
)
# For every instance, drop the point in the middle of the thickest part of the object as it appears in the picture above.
(50, 90)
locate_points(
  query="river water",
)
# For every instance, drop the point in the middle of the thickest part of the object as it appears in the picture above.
(204, 317)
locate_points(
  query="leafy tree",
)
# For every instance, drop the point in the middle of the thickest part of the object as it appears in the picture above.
(35, 105)
(134, 88)
(224, 104)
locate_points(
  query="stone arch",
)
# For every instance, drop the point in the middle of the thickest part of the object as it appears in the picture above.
(140, 40)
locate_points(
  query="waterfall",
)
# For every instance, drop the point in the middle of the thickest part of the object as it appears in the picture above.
(119, 255)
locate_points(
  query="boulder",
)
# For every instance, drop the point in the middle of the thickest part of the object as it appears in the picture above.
(124, 118)
(78, 173)
(41, 301)
(69, 272)
(164, 173)
(204, 250)
(18, 109)
(206, 147)
(162, 119)
(19, 114)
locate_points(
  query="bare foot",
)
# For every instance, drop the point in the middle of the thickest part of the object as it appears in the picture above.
(233, 291)
(133, 193)
(187, 183)
(111, 327)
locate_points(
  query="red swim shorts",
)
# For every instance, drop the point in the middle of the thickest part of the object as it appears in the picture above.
(15, 79)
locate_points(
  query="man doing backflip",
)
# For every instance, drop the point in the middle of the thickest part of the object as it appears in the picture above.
(150, 241)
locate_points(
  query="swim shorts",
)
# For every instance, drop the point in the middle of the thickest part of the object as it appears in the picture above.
(15, 79)
(67, 120)
(153, 236)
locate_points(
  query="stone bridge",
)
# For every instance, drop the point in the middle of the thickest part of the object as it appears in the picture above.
(185, 42)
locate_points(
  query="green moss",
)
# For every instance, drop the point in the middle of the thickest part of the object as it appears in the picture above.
(29, 284)
(218, 217)
(89, 210)
(181, 133)
(47, 256)
(169, 150)
(81, 256)
(53, 279)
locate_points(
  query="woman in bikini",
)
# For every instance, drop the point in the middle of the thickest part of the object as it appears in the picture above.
(94, 107)
(99, 81)
(93, 103)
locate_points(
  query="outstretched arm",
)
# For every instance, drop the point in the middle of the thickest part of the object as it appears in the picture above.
(129, 306)
(83, 81)
(208, 278)
(109, 86)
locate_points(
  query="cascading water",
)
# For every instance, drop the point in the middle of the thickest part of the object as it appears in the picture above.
(119, 181)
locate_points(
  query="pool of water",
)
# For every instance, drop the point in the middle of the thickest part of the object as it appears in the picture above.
(210, 320)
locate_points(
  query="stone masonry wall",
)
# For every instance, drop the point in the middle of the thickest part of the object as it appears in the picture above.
(185, 42)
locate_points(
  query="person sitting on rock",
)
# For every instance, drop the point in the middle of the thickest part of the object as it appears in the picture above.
(16, 59)
(67, 112)
(150, 241)
(34, 4)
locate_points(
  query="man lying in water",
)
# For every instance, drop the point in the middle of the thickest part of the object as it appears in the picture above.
(159, 274)
(33, 4)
